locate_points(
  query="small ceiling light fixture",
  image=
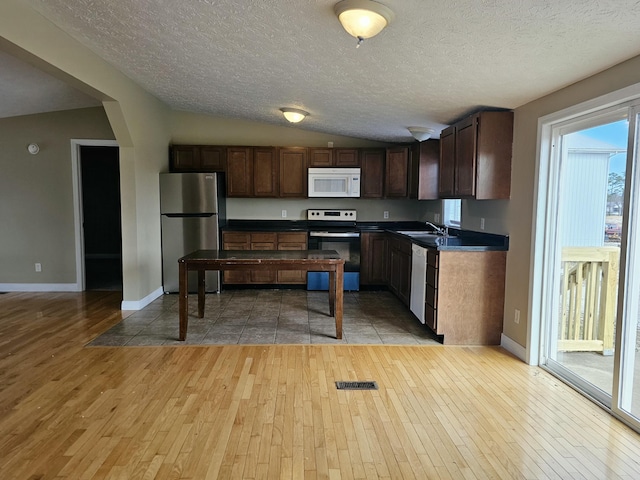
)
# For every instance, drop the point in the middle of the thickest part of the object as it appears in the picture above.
(294, 115)
(33, 148)
(421, 133)
(363, 18)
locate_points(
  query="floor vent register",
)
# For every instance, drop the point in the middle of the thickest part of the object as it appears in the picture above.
(356, 385)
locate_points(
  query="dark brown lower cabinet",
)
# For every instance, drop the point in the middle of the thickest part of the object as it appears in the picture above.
(264, 241)
(465, 296)
(400, 267)
(374, 263)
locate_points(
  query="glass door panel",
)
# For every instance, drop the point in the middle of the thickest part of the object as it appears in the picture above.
(588, 232)
(629, 357)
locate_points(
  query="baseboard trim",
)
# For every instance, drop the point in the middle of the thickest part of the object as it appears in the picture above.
(513, 347)
(140, 304)
(40, 287)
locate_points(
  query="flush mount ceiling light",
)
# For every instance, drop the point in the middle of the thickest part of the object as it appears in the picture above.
(294, 115)
(421, 133)
(363, 18)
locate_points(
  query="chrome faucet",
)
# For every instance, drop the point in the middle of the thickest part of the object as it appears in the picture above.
(440, 231)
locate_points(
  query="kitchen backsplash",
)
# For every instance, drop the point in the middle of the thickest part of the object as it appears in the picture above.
(368, 210)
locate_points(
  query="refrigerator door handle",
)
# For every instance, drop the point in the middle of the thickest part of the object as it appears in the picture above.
(188, 215)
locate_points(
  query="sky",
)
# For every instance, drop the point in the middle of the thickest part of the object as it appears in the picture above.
(616, 134)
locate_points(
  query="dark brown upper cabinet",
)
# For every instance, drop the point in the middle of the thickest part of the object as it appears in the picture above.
(334, 157)
(475, 157)
(197, 158)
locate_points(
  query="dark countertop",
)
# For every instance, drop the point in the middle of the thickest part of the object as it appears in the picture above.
(457, 240)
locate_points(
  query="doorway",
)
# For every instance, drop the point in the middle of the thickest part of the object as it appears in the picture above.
(99, 169)
(590, 300)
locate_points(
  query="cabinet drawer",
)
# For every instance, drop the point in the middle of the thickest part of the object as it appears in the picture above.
(293, 237)
(432, 276)
(432, 258)
(263, 237)
(431, 317)
(263, 246)
(431, 297)
(236, 237)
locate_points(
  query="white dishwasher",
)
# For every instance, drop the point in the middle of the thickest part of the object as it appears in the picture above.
(418, 280)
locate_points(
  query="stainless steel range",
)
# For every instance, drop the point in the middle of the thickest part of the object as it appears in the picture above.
(335, 230)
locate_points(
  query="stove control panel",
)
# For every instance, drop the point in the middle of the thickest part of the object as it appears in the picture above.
(332, 215)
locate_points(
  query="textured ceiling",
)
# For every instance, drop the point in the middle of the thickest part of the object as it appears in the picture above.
(437, 61)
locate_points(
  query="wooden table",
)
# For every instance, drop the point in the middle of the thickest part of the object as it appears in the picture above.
(307, 260)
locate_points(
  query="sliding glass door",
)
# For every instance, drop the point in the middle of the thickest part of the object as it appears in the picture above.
(591, 287)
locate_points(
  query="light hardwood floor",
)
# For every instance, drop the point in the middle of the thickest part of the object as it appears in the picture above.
(272, 411)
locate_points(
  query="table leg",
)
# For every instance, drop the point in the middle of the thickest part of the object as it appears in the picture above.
(339, 297)
(183, 303)
(201, 285)
(332, 293)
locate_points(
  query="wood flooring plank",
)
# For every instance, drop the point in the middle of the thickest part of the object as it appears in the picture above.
(272, 411)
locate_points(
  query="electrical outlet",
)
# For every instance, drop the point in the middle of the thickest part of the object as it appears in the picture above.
(385, 214)
(436, 218)
(516, 316)
(284, 214)
(38, 267)
(330, 144)
(482, 224)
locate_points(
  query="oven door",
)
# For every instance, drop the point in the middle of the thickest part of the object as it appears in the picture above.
(347, 244)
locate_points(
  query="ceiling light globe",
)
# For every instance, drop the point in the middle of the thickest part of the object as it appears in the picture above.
(363, 18)
(294, 115)
(421, 133)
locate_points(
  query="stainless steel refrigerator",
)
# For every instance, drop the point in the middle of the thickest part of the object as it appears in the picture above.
(192, 208)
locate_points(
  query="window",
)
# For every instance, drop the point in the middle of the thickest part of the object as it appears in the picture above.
(451, 212)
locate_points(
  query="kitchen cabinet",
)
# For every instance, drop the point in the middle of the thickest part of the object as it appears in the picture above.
(252, 172)
(374, 248)
(423, 173)
(197, 158)
(334, 157)
(237, 240)
(475, 157)
(464, 298)
(400, 267)
(265, 172)
(372, 173)
(293, 172)
(292, 241)
(396, 181)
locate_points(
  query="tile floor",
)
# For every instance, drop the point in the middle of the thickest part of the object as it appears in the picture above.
(270, 317)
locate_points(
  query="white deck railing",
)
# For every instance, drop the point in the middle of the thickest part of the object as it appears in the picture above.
(588, 299)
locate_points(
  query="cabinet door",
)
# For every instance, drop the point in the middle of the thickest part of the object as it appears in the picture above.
(292, 241)
(293, 172)
(465, 175)
(263, 241)
(372, 174)
(212, 158)
(236, 241)
(446, 173)
(346, 157)
(239, 172)
(423, 174)
(397, 172)
(265, 172)
(320, 157)
(184, 158)
(374, 258)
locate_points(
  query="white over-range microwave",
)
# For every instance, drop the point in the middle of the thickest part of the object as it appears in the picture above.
(334, 182)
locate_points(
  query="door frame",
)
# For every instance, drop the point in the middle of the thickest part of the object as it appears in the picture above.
(543, 236)
(77, 203)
